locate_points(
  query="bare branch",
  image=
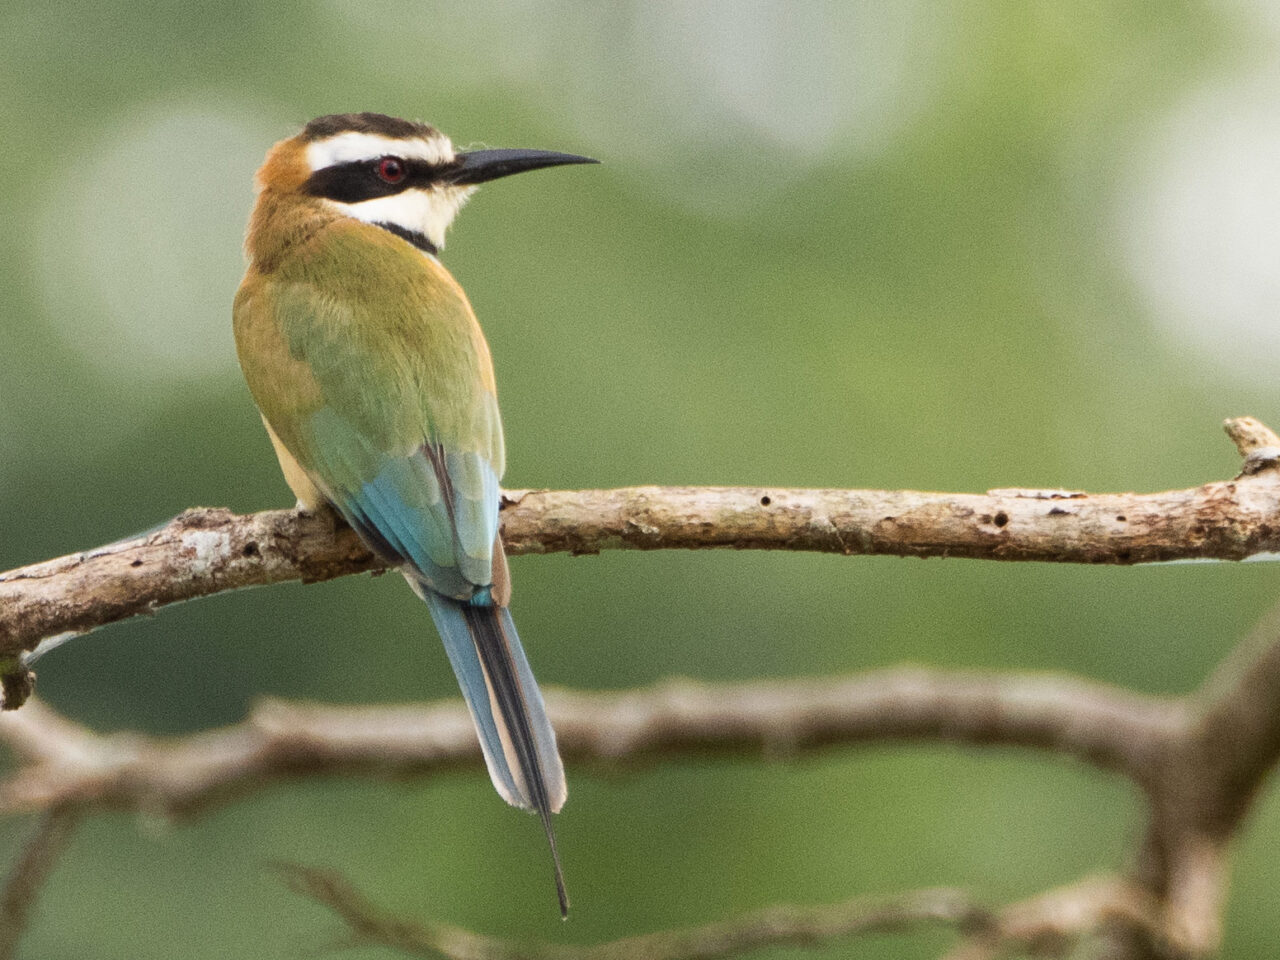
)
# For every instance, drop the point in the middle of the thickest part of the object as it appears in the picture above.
(206, 551)
(29, 874)
(1050, 924)
(1250, 435)
(1053, 923)
(1203, 782)
(200, 552)
(68, 764)
(774, 926)
(1239, 707)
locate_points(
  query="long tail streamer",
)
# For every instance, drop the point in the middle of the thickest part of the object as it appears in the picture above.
(506, 705)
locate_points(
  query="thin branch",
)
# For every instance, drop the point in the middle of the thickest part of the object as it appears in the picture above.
(1239, 705)
(1049, 924)
(1055, 922)
(1204, 782)
(29, 873)
(181, 776)
(774, 926)
(205, 551)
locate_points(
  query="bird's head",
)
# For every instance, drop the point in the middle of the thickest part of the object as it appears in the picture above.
(403, 176)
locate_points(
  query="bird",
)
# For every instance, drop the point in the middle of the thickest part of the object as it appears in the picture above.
(376, 387)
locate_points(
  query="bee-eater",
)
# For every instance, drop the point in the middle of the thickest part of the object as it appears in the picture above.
(377, 390)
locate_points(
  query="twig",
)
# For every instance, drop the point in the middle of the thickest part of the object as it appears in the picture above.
(1055, 922)
(1205, 780)
(207, 550)
(66, 763)
(774, 926)
(29, 874)
(1049, 924)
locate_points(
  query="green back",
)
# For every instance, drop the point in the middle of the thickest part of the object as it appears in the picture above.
(365, 358)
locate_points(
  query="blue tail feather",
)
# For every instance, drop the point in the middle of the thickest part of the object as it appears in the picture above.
(517, 739)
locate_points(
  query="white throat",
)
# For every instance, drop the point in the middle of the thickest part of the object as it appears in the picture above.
(428, 212)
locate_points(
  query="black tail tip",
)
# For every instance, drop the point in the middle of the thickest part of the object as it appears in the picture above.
(561, 893)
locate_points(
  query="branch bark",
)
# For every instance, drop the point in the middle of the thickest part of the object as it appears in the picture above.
(29, 873)
(1050, 924)
(1184, 752)
(204, 551)
(66, 764)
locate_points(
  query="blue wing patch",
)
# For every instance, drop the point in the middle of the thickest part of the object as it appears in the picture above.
(434, 509)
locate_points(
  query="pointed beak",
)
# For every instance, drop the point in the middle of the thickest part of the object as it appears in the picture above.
(479, 166)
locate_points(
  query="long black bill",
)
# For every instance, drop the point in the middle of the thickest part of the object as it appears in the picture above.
(479, 166)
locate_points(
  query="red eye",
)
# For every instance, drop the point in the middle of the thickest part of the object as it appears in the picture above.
(391, 169)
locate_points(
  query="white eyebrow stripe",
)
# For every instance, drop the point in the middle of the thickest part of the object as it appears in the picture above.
(352, 147)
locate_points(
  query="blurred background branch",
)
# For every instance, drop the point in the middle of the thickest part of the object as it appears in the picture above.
(1054, 923)
(1199, 760)
(65, 763)
(775, 926)
(31, 870)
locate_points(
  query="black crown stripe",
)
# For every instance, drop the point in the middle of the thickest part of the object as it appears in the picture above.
(333, 124)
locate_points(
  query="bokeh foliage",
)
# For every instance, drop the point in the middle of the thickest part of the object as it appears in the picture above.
(832, 244)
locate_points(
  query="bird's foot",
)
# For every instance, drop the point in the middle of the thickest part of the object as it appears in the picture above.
(323, 512)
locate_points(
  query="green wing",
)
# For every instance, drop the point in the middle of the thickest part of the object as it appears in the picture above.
(365, 358)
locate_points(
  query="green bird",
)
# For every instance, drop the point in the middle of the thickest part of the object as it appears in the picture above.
(376, 386)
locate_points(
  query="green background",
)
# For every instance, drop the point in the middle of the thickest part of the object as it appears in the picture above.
(946, 245)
